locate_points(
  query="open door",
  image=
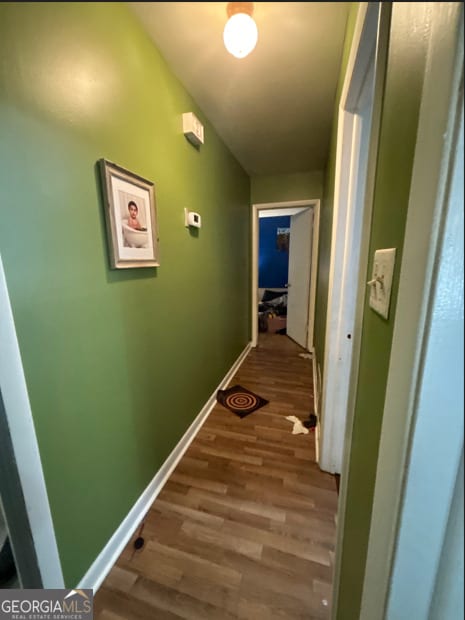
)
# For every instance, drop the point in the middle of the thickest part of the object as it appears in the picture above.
(309, 210)
(300, 253)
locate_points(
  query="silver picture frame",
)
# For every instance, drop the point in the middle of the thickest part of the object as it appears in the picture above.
(130, 217)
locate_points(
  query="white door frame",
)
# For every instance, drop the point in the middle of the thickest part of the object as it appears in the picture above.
(421, 442)
(354, 182)
(24, 494)
(313, 204)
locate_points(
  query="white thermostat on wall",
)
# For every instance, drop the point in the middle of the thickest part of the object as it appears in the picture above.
(192, 128)
(192, 219)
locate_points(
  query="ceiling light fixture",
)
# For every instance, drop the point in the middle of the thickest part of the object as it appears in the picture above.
(240, 33)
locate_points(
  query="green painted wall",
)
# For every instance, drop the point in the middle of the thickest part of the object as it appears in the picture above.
(327, 206)
(117, 363)
(286, 187)
(399, 120)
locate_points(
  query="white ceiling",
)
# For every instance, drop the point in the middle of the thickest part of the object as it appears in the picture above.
(273, 109)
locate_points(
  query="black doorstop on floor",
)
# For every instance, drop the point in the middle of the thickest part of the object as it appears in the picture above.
(139, 542)
(311, 422)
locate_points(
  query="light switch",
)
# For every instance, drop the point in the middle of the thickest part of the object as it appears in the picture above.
(381, 281)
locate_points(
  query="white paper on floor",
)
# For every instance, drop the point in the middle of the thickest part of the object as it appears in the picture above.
(298, 426)
(306, 356)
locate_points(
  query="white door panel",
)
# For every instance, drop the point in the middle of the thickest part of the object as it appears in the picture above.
(300, 251)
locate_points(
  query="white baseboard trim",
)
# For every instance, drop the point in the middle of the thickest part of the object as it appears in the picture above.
(316, 404)
(115, 546)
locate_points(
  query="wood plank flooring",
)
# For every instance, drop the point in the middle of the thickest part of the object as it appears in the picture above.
(245, 526)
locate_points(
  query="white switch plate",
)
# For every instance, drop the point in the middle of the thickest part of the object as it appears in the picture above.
(381, 281)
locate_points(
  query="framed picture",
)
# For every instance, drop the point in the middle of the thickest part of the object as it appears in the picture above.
(282, 239)
(131, 217)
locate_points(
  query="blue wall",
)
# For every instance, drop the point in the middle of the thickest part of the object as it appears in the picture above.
(272, 263)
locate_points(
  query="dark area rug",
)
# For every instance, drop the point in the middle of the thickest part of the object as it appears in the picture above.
(240, 400)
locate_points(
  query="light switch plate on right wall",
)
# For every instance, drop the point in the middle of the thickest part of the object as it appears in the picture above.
(381, 281)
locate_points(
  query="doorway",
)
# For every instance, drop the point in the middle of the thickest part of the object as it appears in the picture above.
(358, 121)
(26, 521)
(300, 287)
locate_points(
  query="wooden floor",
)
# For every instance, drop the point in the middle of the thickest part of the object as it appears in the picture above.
(245, 526)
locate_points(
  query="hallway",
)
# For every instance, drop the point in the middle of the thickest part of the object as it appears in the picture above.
(245, 526)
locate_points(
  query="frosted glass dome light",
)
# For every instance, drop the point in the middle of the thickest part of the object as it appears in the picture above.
(240, 35)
